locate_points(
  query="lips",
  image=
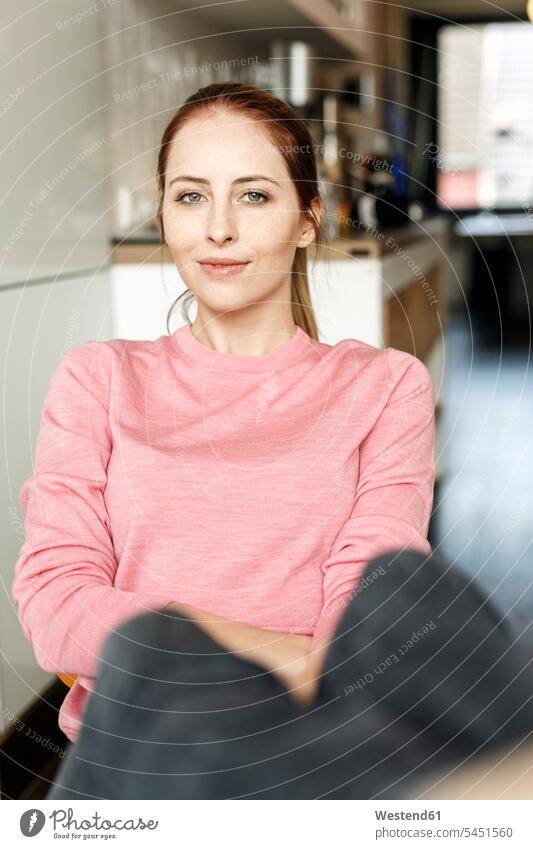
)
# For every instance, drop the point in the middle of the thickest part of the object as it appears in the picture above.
(222, 267)
(226, 260)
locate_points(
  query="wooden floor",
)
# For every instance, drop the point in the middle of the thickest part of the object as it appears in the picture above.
(39, 787)
(483, 511)
(27, 768)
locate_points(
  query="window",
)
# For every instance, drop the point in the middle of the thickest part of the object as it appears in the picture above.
(484, 150)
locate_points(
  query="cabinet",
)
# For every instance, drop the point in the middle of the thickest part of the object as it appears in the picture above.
(54, 285)
(386, 291)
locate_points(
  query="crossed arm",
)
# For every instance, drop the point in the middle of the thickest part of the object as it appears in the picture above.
(288, 656)
(68, 545)
(392, 507)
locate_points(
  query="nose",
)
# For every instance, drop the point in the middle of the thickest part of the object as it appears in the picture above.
(221, 222)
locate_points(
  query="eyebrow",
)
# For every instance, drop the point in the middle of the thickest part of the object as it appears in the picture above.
(249, 179)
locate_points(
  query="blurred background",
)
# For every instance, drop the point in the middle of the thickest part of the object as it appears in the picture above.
(422, 119)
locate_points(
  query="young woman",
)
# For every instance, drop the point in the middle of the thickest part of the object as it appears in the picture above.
(237, 473)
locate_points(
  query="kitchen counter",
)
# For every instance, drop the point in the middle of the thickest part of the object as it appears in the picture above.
(384, 288)
(491, 224)
(366, 242)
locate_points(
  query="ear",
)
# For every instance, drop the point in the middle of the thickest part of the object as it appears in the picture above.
(307, 233)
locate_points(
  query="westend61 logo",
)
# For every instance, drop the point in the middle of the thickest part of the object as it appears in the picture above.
(32, 822)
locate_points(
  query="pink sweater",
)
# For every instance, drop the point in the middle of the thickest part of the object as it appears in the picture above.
(255, 487)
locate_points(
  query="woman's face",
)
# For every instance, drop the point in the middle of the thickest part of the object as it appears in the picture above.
(229, 196)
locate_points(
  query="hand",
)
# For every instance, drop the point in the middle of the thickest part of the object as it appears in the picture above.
(303, 684)
(284, 655)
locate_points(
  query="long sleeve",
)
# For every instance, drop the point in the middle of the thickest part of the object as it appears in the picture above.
(394, 494)
(63, 584)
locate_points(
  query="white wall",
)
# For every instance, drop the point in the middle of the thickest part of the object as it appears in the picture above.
(157, 55)
(54, 226)
(53, 142)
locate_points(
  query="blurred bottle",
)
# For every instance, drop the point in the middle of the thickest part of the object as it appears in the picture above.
(381, 201)
(293, 72)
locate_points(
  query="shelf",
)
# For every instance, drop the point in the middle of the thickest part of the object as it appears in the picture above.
(314, 21)
(324, 15)
(142, 249)
(377, 242)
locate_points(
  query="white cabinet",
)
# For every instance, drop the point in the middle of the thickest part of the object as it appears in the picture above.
(54, 231)
(37, 327)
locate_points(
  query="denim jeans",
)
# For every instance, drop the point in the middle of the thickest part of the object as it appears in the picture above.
(420, 673)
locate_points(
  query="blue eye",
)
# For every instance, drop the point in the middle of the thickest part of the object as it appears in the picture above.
(180, 199)
(262, 196)
(256, 197)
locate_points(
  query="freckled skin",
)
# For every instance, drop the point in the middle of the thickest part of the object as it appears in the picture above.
(231, 219)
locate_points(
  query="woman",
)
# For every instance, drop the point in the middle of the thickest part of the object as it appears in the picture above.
(238, 473)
